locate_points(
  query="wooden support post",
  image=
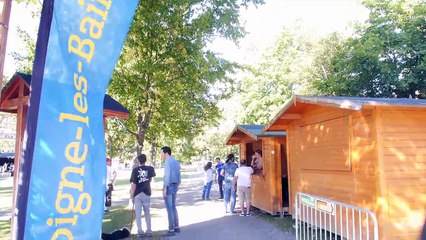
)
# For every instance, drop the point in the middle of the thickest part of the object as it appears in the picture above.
(20, 130)
(4, 27)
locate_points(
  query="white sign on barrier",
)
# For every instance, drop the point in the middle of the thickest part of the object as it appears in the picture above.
(320, 218)
(318, 204)
(326, 207)
(310, 201)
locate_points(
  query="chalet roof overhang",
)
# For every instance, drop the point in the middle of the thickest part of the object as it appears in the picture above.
(16, 92)
(293, 108)
(239, 135)
(249, 133)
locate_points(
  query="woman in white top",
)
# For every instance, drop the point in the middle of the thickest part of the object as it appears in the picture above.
(242, 179)
(208, 180)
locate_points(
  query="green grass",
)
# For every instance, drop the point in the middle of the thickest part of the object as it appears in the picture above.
(6, 192)
(5, 230)
(161, 178)
(6, 188)
(124, 182)
(7, 208)
(119, 217)
(283, 223)
(121, 182)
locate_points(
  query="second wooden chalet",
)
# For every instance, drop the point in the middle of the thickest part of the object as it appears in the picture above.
(269, 186)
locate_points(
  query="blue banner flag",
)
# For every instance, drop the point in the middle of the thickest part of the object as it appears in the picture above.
(62, 178)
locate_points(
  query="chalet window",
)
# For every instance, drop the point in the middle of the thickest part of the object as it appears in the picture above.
(325, 145)
(251, 151)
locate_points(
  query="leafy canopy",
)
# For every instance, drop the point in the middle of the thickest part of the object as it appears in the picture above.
(282, 71)
(166, 77)
(386, 58)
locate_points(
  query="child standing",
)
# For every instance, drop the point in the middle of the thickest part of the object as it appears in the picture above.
(208, 180)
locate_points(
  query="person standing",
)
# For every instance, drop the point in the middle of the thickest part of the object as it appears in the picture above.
(219, 177)
(140, 193)
(135, 164)
(229, 191)
(172, 179)
(208, 180)
(242, 180)
(257, 161)
(110, 178)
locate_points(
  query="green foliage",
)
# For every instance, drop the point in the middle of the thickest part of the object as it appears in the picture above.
(184, 149)
(28, 1)
(24, 58)
(282, 71)
(385, 59)
(165, 75)
(118, 142)
(325, 65)
(211, 144)
(24, 61)
(5, 230)
(217, 147)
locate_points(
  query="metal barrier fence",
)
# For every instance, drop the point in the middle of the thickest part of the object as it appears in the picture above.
(320, 218)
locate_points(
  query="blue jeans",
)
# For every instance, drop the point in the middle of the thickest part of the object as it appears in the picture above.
(170, 202)
(206, 190)
(220, 183)
(230, 195)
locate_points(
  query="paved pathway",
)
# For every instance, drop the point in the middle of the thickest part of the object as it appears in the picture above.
(199, 219)
(205, 219)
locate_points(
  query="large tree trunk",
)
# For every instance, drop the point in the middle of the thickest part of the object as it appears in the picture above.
(143, 124)
(153, 153)
(138, 150)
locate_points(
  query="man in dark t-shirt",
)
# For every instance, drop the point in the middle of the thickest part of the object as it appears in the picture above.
(140, 193)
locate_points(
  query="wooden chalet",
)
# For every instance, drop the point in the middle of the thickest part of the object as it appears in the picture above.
(366, 152)
(269, 187)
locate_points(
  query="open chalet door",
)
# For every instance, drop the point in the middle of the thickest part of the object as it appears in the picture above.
(284, 174)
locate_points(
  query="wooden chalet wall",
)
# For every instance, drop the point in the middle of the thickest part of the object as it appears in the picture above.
(402, 158)
(243, 150)
(266, 187)
(332, 154)
(374, 159)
